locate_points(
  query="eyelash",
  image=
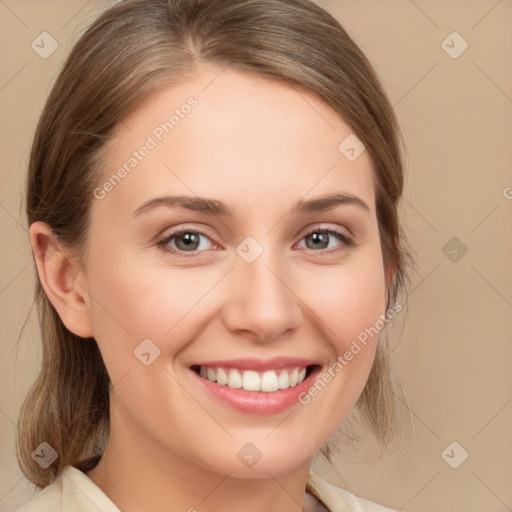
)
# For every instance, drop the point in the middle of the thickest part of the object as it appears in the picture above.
(162, 243)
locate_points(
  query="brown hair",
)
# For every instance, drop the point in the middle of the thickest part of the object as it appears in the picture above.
(134, 49)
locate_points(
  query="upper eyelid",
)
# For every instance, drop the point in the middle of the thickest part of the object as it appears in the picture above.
(185, 229)
(162, 239)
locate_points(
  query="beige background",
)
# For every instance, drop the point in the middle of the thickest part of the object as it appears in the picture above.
(454, 356)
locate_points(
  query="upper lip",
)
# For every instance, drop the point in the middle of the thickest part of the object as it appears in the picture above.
(252, 363)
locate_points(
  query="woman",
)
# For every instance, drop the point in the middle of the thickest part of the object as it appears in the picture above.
(212, 200)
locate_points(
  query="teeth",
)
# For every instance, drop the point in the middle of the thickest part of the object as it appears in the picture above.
(222, 377)
(293, 377)
(250, 380)
(234, 379)
(283, 382)
(269, 381)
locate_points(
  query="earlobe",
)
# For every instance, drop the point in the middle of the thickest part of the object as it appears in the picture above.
(59, 278)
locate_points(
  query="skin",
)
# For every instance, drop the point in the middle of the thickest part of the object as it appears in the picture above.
(258, 146)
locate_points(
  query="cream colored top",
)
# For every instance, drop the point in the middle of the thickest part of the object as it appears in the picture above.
(74, 491)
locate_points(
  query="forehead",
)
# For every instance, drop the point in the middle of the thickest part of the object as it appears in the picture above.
(229, 134)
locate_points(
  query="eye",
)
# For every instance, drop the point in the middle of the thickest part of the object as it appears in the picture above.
(320, 239)
(194, 241)
(185, 240)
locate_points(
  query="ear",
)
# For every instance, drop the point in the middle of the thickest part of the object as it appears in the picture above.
(60, 278)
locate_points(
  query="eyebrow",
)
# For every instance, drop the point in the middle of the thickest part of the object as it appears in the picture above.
(218, 208)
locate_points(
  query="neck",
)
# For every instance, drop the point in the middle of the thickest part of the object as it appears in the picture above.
(145, 475)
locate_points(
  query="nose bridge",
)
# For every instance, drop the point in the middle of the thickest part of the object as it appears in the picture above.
(262, 301)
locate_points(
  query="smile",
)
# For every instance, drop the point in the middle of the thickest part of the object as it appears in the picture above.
(267, 381)
(256, 386)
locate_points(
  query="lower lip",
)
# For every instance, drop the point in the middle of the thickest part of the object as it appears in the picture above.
(259, 402)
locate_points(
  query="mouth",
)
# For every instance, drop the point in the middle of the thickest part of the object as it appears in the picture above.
(264, 381)
(256, 386)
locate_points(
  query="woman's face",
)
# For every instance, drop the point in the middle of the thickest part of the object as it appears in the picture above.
(254, 284)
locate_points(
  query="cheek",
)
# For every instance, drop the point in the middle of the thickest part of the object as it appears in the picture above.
(132, 301)
(349, 300)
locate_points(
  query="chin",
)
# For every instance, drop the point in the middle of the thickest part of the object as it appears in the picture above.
(252, 463)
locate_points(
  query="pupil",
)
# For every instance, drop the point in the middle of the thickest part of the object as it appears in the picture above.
(319, 238)
(189, 239)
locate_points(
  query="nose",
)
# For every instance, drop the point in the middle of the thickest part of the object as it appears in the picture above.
(261, 301)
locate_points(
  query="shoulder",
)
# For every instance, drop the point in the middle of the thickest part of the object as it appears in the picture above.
(71, 490)
(50, 498)
(337, 499)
